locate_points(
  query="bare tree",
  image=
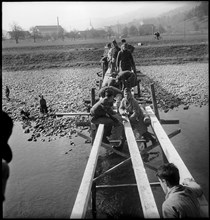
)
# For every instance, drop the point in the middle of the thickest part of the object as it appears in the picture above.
(34, 32)
(16, 32)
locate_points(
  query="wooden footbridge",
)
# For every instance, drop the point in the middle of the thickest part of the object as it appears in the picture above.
(88, 186)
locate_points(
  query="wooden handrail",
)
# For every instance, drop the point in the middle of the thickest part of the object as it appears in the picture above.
(173, 156)
(81, 202)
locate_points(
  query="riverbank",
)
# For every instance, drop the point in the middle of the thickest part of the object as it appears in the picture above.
(66, 89)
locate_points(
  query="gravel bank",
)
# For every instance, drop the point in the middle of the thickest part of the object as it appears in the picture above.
(65, 90)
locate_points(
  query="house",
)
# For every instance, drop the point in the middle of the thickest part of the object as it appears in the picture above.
(6, 35)
(49, 30)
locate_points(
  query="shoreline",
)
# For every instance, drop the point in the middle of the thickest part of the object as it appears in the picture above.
(66, 89)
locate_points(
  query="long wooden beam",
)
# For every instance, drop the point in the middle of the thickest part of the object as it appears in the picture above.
(81, 202)
(145, 193)
(173, 156)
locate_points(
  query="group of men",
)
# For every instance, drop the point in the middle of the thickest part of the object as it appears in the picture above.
(118, 86)
(181, 199)
(118, 59)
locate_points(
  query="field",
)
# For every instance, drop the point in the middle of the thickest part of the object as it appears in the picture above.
(174, 49)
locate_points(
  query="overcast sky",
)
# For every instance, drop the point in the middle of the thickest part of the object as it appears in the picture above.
(77, 15)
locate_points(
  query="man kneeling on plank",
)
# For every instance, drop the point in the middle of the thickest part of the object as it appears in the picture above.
(138, 118)
(126, 79)
(102, 113)
(181, 199)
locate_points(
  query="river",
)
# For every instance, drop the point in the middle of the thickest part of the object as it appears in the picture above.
(45, 176)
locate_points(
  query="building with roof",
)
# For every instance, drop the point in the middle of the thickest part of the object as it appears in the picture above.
(49, 30)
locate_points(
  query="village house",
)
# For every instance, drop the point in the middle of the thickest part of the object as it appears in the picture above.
(49, 30)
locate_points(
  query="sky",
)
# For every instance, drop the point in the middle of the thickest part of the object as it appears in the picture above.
(77, 14)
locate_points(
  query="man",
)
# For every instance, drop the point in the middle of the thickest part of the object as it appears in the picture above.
(126, 79)
(129, 107)
(125, 60)
(157, 35)
(43, 105)
(7, 125)
(7, 92)
(102, 113)
(105, 60)
(114, 53)
(181, 200)
(130, 47)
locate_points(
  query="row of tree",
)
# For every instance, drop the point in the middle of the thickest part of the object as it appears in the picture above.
(18, 33)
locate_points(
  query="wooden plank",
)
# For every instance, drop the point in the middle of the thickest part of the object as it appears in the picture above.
(173, 156)
(71, 113)
(81, 202)
(145, 193)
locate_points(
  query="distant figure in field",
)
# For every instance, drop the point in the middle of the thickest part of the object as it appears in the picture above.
(43, 105)
(7, 92)
(157, 35)
(181, 199)
(7, 126)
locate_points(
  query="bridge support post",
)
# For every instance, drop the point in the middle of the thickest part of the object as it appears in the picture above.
(94, 199)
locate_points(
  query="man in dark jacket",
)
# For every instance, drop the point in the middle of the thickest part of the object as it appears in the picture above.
(126, 79)
(7, 125)
(102, 113)
(125, 60)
